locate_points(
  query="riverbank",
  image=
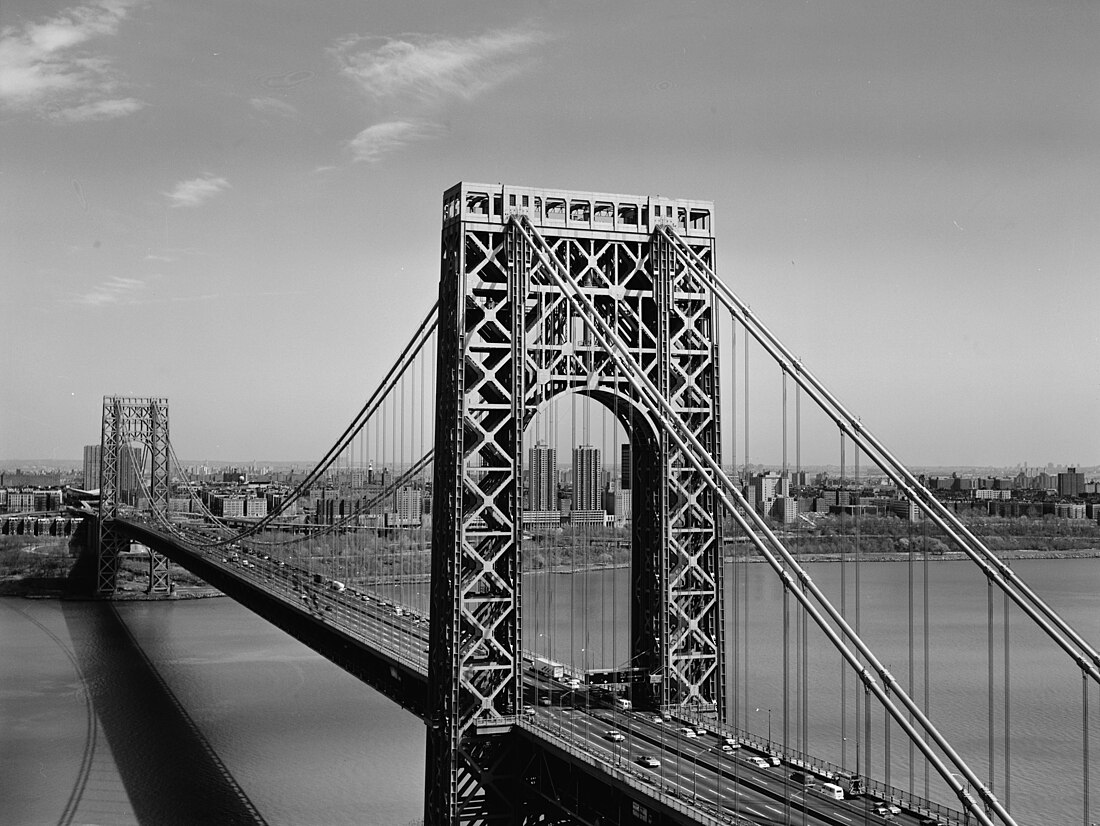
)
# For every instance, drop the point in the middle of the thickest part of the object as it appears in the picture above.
(60, 588)
(944, 556)
(49, 569)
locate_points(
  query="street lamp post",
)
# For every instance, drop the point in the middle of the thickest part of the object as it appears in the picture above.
(769, 729)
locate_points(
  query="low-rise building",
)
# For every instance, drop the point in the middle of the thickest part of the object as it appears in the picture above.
(1069, 510)
(541, 520)
(904, 509)
(993, 493)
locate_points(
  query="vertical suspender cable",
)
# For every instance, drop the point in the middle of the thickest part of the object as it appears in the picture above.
(786, 699)
(391, 442)
(746, 479)
(991, 722)
(1008, 713)
(802, 611)
(910, 639)
(745, 634)
(573, 526)
(926, 637)
(786, 596)
(886, 747)
(733, 390)
(799, 649)
(736, 578)
(626, 496)
(855, 610)
(745, 578)
(376, 420)
(844, 613)
(1085, 744)
(421, 450)
(783, 373)
(798, 432)
(866, 736)
(404, 517)
(786, 671)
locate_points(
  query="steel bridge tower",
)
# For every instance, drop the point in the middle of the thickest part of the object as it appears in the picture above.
(134, 442)
(509, 341)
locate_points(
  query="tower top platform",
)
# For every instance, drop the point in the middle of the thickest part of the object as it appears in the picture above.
(576, 210)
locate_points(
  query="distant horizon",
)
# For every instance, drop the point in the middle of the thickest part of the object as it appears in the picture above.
(7, 465)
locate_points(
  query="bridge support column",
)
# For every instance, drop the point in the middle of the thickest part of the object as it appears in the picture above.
(474, 644)
(133, 472)
(511, 337)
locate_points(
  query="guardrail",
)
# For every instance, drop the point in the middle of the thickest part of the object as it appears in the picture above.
(873, 788)
(648, 784)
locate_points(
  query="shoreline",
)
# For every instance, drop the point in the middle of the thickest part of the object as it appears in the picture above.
(943, 556)
(55, 588)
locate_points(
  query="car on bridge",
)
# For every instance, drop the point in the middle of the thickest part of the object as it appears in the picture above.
(649, 761)
(731, 742)
(688, 732)
(614, 735)
(760, 762)
(804, 779)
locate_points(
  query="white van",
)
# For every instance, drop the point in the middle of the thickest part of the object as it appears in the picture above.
(622, 704)
(832, 790)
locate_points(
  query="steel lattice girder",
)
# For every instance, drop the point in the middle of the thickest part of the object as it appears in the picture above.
(509, 341)
(677, 560)
(474, 635)
(129, 421)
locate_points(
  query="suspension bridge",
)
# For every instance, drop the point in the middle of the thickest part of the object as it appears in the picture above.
(575, 667)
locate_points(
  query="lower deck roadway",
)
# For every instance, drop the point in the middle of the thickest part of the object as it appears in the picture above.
(695, 769)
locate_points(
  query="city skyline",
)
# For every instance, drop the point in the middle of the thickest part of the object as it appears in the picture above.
(241, 213)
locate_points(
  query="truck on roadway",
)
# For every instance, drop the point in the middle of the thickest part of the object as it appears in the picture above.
(549, 668)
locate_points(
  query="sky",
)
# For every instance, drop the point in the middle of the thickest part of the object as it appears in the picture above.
(236, 204)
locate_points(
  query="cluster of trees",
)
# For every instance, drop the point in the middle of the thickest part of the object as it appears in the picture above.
(888, 535)
(34, 556)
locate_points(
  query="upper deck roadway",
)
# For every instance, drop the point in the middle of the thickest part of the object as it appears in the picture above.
(693, 780)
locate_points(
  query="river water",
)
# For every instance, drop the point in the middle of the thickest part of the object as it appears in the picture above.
(200, 712)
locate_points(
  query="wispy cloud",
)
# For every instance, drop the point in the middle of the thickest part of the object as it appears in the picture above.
(116, 290)
(196, 191)
(430, 68)
(162, 258)
(417, 75)
(273, 106)
(48, 67)
(98, 110)
(375, 141)
(119, 291)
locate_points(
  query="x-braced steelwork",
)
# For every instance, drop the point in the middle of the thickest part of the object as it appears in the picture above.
(133, 467)
(509, 342)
